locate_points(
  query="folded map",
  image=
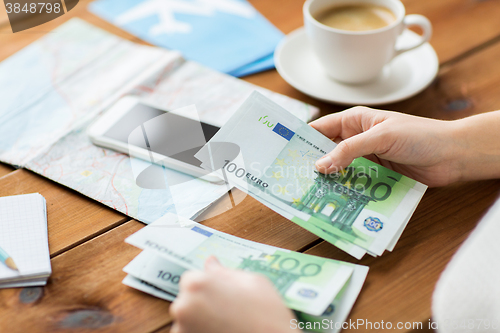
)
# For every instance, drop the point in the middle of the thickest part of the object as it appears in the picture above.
(53, 88)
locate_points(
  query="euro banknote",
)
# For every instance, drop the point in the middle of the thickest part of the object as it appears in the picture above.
(160, 284)
(334, 317)
(148, 288)
(354, 250)
(156, 270)
(306, 283)
(267, 152)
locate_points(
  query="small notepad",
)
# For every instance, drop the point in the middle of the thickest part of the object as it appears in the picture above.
(23, 235)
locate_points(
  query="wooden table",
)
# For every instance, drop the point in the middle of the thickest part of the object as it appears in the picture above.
(85, 294)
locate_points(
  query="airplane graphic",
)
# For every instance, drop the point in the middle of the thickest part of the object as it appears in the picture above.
(166, 9)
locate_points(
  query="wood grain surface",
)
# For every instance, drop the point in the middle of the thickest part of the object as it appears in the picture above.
(463, 88)
(254, 221)
(4, 19)
(86, 239)
(5, 169)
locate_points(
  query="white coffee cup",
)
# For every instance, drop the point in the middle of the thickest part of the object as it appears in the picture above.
(357, 57)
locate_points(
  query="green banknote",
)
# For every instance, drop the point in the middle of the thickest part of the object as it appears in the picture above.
(307, 283)
(364, 204)
(354, 250)
(148, 288)
(156, 275)
(333, 320)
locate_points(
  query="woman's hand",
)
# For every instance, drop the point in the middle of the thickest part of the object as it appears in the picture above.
(424, 149)
(224, 300)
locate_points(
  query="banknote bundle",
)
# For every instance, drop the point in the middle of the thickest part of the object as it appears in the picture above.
(316, 288)
(270, 154)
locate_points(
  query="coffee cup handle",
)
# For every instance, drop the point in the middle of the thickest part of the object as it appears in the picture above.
(418, 21)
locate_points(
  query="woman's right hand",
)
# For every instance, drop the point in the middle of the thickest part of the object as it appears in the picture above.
(426, 150)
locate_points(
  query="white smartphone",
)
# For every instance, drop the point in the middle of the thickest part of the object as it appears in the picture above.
(161, 143)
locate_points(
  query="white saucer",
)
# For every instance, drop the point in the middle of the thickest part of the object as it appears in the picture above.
(406, 76)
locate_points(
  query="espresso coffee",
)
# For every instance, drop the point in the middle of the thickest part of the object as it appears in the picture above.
(359, 17)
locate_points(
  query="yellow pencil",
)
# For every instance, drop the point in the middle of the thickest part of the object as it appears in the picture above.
(7, 260)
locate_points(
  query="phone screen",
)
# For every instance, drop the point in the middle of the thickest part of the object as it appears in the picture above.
(164, 137)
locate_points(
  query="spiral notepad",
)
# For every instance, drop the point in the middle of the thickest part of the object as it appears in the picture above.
(23, 236)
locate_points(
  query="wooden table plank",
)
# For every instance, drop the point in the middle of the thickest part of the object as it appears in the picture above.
(5, 169)
(462, 89)
(4, 19)
(253, 221)
(72, 218)
(399, 285)
(85, 293)
(164, 329)
(459, 26)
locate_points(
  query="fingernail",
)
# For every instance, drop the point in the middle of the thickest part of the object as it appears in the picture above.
(212, 262)
(324, 162)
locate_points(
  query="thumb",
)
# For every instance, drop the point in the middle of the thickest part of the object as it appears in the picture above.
(212, 263)
(340, 157)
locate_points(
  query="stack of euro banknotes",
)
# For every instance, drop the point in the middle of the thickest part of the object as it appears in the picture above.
(269, 154)
(315, 288)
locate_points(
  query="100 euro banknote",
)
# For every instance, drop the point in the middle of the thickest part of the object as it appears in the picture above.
(155, 275)
(270, 154)
(307, 283)
(330, 321)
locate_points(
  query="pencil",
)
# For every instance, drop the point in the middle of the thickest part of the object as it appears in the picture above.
(7, 260)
